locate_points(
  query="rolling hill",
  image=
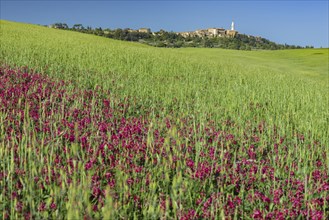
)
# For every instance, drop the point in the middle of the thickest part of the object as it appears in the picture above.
(207, 80)
(98, 128)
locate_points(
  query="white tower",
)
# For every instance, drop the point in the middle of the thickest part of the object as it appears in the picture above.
(232, 26)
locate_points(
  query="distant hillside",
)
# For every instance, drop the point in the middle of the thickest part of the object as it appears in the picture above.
(164, 38)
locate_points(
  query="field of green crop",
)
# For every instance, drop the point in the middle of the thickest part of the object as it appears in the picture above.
(98, 128)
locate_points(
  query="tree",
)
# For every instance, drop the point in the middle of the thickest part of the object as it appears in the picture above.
(160, 44)
(118, 34)
(99, 31)
(208, 43)
(60, 26)
(248, 47)
(78, 27)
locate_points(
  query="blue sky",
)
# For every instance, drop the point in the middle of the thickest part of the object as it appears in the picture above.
(292, 22)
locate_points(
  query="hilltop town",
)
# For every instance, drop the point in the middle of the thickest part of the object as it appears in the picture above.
(211, 32)
(210, 38)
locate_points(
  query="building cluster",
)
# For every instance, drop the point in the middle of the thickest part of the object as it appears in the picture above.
(140, 30)
(211, 32)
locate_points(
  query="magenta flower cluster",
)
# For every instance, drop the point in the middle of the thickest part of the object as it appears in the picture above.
(226, 173)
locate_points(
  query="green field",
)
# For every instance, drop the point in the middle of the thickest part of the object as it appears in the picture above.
(285, 89)
(293, 83)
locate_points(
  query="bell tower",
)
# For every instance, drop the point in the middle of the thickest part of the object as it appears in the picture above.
(232, 26)
(232, 32)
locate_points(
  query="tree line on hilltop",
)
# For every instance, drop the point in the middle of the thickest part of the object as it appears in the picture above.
(171, 39)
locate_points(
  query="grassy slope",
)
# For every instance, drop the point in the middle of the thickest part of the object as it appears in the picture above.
(312, 63)
(290, 85)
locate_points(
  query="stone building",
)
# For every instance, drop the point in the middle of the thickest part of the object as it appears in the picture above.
(231, 33)
(144, 30)
(201, 33)
(185, 34)
(213, 32)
